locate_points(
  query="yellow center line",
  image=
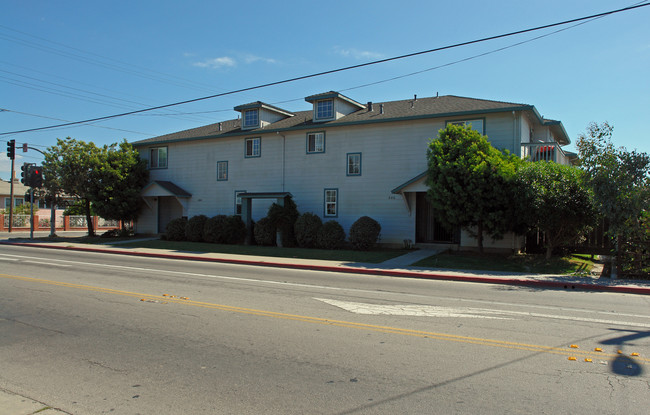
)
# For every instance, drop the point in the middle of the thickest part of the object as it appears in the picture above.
(331, 322)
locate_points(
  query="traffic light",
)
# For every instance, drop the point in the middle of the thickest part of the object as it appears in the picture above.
(11, 149)
(36, 176)
(25, 177)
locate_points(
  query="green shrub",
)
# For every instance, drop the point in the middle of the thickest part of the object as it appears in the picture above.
(194, 228)
(235, 229)
(175, 230)
(306, 230)
(331, 235)
(264, 232)
(283, 219)
(222, 229)
(364, 233)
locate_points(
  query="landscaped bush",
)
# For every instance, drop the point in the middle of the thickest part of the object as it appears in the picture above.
(306, 230)
(222, 229)
(264, 232)
(283, 218)
(175, 230)
(194, 228)
(236, 229)
(364, 233)
(331, 235)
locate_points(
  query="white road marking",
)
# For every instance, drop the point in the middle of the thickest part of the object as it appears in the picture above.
(414, 310)
(456, 312)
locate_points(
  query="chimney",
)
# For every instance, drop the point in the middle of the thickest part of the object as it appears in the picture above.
(381, 108)
(220, 127)
(369, 106)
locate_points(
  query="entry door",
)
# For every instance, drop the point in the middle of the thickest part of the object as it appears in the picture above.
(168, 209)
(427, 228)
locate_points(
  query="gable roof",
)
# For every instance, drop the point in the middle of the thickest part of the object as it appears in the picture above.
(391, 111)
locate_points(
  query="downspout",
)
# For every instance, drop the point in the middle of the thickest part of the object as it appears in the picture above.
(284, 150)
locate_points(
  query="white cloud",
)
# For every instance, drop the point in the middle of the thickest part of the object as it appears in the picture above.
(358, 54)
(216, 63)
(252, 59)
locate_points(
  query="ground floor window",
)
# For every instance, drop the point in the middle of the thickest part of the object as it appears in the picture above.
(238, 194)
(331, 202)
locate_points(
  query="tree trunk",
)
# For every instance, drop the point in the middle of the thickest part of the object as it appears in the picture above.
(89, 219)
(479, 236)
(549, 246)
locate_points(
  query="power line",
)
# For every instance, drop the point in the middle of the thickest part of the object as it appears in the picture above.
(332, 71)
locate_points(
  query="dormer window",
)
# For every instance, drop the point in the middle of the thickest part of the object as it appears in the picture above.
(332, 106)
(251, 118)
(259, 115)
(325, 109)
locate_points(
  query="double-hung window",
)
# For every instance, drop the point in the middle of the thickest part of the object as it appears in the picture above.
(477, 125)
(253, 147)
(158, 158)
(325, 109)
(238, 202)
(251, 118)
(331, 202)
(315, 142)
(354, 164)
(222, 171)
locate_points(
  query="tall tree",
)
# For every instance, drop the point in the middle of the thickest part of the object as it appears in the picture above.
(471, 183)
(116, 185)
(558, 202)
(620, 180)
(70, 167)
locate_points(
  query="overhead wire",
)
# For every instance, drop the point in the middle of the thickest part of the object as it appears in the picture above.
(332, 71)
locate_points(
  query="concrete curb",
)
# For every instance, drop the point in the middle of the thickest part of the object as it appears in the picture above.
(567, 284)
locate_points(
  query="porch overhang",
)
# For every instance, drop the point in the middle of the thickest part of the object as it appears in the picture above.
(416, 184)
(161, 188)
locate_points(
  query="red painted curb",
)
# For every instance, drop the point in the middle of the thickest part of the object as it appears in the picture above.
(352, 270)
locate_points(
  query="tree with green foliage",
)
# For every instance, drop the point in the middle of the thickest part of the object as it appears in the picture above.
(557, 201)
(620, 180)
(118, 181)
(70, 167)
(108, 178)
(470, 183)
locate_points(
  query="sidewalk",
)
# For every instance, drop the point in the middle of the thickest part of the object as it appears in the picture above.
(13, 404)
(396, 267)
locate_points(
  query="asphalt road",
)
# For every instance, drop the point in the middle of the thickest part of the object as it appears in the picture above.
(99, 333)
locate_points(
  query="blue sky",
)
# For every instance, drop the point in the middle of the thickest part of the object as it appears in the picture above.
(76, 60)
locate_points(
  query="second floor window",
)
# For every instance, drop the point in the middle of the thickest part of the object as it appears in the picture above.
(354, 164)
(158, 158)
(316, 143)
(222, 170)
(252, 147)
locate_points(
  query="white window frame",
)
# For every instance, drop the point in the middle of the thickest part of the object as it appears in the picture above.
(238, 202)
(318, 139)
(324, 109)
(331, 203)
(222, 171)
(251, 118)
(472, 122)
(353, 166)
(154, 162)
(255, 147)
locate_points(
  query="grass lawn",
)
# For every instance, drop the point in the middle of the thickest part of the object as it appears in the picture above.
(373, 257)
(571, 264)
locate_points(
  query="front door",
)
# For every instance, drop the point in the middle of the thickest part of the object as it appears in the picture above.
(427, 228)
(168, 209)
